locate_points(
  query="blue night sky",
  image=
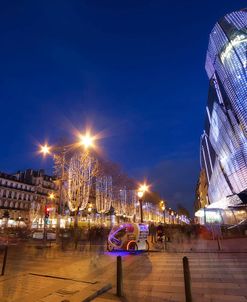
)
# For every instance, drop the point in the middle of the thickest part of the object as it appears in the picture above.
(133, 69)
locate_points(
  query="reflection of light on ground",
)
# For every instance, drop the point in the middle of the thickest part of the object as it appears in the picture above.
(122, 253)
(117, 253)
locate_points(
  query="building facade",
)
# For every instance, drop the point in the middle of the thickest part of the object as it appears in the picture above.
(201, 196)
(23, 196)
(224, 140)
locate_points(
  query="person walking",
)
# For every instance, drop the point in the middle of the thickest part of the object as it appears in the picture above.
(160, 232)
(152, 232)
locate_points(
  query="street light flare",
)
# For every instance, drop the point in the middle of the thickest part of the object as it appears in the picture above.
(143, 188)
(51, 196)
(87, 140)
(45, 149)
(162, 205)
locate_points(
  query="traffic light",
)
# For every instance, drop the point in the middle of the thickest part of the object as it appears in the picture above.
(47, 213)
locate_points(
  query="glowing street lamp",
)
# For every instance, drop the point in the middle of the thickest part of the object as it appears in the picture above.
(59, 154)
(51, 196)
(87, 140)
(45, 149)
(142, 189)
(163, 208)
(172, 213)
(140, 194)
(90, 207)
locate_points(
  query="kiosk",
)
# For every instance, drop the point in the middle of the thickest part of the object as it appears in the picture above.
(129, 236)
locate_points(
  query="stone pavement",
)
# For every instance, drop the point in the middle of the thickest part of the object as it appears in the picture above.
(51, 275)
(28, 277)
(148, 277)
(159, 277)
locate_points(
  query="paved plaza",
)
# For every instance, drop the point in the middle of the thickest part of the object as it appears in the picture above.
(50, 275)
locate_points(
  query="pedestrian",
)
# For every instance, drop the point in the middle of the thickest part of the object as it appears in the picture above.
(160, 232)
(152, 232)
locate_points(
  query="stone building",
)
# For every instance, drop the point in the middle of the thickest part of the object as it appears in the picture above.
(24, 194)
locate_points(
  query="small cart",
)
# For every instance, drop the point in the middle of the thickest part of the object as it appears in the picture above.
(130, 237)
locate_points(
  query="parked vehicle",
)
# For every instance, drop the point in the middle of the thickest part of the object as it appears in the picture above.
(129, 236)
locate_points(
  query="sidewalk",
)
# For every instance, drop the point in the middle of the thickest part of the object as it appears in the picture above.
(52, 275)
(159, 277)
(30, 288)
(223, 245)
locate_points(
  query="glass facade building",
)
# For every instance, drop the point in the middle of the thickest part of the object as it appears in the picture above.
(223, 150)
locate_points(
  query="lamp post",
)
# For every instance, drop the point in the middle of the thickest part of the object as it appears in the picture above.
(51, 196)
(169, 212)
(59, 152)
(89, 209)
(163, 208)
(172, 213)
(142, 189)
(86, 141)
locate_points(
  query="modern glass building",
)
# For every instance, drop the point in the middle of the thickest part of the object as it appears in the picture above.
(223, 150)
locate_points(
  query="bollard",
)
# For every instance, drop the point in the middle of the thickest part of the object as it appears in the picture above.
(4, 259)
(119, 277)
(187, 286)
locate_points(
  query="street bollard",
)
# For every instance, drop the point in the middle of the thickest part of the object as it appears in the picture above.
(119, 277)
(187, 285)
(4, 259)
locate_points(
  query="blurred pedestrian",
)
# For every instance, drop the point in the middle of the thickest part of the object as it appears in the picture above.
(160, 232)
(152, 232)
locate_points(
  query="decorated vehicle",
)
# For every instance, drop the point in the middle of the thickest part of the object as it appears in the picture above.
(129, 236)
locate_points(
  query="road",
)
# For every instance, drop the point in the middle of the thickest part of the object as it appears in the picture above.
(154, 276)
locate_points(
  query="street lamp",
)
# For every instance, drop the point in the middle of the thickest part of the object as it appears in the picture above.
(45, 149)
(163, 208)
(89, 209)
(86, 141)
(51, 196)
(172, 213)
(169, 212)
(142, 189)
